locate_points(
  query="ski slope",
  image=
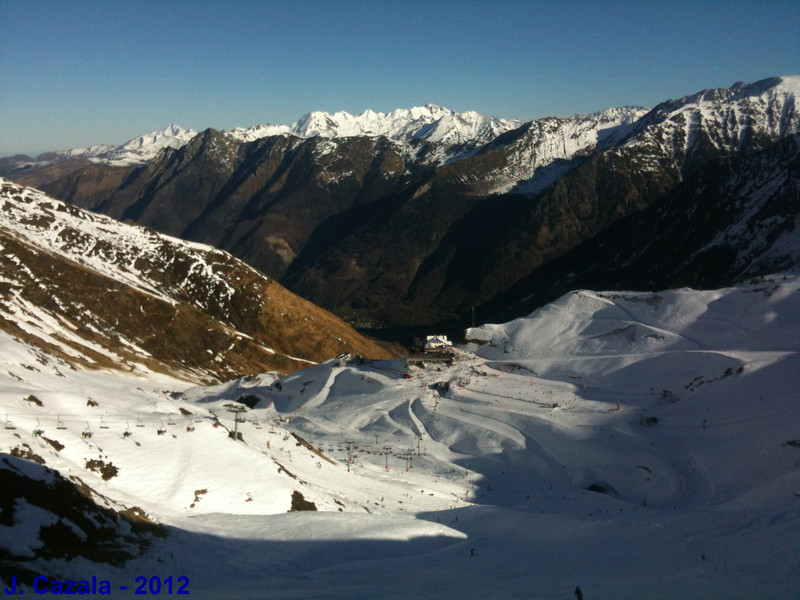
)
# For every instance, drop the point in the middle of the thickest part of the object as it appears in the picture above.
(637, 445)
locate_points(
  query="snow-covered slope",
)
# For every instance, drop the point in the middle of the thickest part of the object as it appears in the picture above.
(107, 294)
(638, 445)
(546, 150)
(686, 132)
(121, 252)
(728, 121)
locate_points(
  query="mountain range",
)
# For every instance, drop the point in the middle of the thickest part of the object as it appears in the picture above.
(177, 421)
(423, 217)
(429, 123)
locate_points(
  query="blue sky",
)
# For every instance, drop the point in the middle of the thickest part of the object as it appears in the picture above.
(82, 72)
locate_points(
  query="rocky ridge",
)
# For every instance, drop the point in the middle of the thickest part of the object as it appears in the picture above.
(101, 294)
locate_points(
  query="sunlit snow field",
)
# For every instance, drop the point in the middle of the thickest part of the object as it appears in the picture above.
(636, 445)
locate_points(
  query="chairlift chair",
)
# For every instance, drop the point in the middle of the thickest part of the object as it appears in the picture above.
(171, 419)
(103, 424)
(60, 424)
(9, 424)
(87, 433)
(139, 421)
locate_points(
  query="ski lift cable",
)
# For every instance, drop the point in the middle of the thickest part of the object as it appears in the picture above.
(63, 420)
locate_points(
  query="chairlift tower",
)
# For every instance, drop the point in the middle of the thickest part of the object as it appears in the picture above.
(386, 450)
(408, 455)
(349, 445)
(236, 409)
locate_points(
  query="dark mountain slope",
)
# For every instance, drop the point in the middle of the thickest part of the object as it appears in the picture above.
(260, 200)
(733, 220)
(395, 233)
(76, 526)
(434, 253)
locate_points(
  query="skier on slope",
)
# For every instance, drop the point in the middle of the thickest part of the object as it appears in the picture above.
(578, 593)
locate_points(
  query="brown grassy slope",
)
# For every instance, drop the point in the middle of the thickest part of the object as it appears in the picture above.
(178, 339)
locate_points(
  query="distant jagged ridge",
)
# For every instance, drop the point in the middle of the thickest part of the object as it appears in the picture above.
(423, 123)
(430, 122)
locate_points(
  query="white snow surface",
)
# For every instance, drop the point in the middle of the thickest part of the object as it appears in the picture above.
(676, 408)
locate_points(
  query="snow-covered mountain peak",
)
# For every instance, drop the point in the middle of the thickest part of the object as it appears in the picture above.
(546, 150)
(256, 132)
(720, 121)
(430, 123)
(168, 135)
(739, 93)
(136, 151)
(620, 115)
(145, 147)
(789, 84)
